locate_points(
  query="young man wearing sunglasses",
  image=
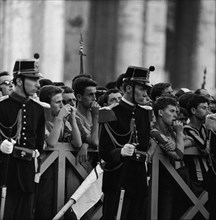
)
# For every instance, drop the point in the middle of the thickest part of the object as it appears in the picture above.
(6, 83)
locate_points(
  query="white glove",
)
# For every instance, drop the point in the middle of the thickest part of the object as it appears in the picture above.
(6, 146)
(210, 122)
(127, 150)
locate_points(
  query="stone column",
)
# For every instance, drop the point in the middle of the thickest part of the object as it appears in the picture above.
(53, 38)
(2, 31)
(141, 36)
(38, 30)
(76, 22)
(17, 32)
(130, 37)
(193, 45)
(101, 54)
(155, 39)
(206, 47)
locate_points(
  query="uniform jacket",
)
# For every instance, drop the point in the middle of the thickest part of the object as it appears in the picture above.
(28, 129)
(132, 174)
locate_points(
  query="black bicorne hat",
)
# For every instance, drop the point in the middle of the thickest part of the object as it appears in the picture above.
(27, 68)
(138, 75)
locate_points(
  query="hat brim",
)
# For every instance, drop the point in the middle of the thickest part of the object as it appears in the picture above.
(31, 75)
(144, 83)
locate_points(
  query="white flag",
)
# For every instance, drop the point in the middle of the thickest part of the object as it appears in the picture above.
(88, 193)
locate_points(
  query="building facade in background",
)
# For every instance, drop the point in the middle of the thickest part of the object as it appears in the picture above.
(176, 36)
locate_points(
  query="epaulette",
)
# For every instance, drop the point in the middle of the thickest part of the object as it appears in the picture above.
(106, 114)
(43, 104)
(149, 109)
(2, 98)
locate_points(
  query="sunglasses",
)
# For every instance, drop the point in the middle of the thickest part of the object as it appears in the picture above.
(7, 82)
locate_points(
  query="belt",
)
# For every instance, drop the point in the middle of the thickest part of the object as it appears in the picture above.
(23, 153)
(139, 156)
(28, 154)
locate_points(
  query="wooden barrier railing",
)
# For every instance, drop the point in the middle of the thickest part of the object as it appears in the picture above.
(62, 152)
(198, 203)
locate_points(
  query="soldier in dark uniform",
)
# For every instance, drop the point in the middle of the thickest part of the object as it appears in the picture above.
(124, 146)
(22, 125)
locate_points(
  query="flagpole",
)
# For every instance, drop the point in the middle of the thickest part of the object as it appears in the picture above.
(94, 176)
(81, 53)
(64, 209)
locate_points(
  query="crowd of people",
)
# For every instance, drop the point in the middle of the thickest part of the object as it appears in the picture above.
(125, 121)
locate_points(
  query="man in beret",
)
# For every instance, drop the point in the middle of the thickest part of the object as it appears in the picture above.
(22, 126)
(125, 131)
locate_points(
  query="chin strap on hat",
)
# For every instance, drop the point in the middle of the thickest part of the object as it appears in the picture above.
(24, 90)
